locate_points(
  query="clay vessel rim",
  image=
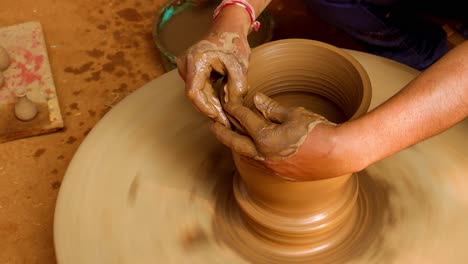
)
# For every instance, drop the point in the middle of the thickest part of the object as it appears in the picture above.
(366, 84)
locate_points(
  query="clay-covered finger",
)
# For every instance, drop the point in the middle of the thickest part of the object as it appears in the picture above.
(201, 102)
(200, 91)
(252, 122)
(236, 85)
(270, 109)
(213, 99)
(238, 143)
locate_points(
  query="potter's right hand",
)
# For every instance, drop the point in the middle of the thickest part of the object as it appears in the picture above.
(292, 142)
(275, 134)
(224, 51)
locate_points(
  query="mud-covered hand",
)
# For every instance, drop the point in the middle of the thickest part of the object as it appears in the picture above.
(226, 54)
(291, 141)
(275, 134)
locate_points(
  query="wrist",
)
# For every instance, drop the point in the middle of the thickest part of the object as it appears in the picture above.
(349, 147)
(232, 19)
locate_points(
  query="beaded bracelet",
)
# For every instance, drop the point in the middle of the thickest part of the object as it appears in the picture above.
(255, 25)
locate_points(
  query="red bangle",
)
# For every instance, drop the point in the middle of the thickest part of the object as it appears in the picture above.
(255, 25)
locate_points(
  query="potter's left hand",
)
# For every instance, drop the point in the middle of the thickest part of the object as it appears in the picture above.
(292, 141)
(226, 54)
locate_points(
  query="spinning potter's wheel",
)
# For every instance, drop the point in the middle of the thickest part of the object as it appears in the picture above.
(145, 185)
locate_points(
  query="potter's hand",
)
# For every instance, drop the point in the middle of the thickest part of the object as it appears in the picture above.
(291, 141)
(224, 53)
(275, 134)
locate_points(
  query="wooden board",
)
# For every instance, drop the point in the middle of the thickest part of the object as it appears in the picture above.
(29, 72)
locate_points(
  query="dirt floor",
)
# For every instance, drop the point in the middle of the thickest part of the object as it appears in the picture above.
(100, 52)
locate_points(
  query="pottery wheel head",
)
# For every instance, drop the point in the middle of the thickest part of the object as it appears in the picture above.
(149, 188)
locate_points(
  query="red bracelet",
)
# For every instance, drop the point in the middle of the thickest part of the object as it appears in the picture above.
(255, 25)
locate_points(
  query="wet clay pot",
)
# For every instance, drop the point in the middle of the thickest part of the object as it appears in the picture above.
(300, 219)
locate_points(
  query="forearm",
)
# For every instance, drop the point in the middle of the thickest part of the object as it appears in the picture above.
(235, 18)
(433, 102)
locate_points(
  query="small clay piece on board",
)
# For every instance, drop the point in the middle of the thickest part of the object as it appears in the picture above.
(2, 80)
(25, 109)
(4, 59)
(29, 70)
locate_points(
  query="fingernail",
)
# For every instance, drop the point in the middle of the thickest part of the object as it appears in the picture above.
(259, 158)
(256, 97)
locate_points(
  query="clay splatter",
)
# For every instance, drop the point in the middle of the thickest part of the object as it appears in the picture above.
(108, 67)
(116, 60)
(82, 69)
(117, 35)
(92, 113)
(120, 73)
(95, 76)
(147, 36)
(86, 132)
(74, 106)
(145, 77)
(54, 171)
(61, 157)
(122, 88)
(55, 185)
(39, 152)
(71, 140)
(130, 14)
(95, 53)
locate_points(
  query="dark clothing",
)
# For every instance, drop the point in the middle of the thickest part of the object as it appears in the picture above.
(392, 28)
